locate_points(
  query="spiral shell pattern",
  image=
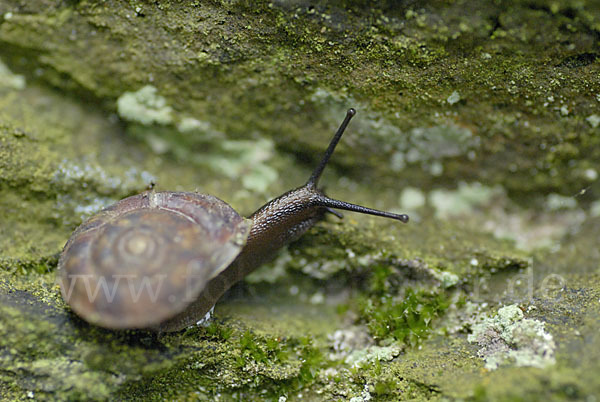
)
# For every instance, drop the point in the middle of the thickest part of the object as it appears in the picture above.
(144, 259)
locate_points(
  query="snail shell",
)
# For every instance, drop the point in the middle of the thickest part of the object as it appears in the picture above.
(139, 262)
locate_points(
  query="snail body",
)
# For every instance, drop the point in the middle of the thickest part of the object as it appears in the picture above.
(161, 260)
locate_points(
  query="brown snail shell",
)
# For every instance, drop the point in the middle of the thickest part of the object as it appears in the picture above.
(139, 262)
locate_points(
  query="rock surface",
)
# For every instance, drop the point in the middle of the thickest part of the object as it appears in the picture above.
(480, 119)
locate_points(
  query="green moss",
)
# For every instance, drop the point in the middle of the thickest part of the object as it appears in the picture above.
(270, 350)
(398, 64)
(406, 319)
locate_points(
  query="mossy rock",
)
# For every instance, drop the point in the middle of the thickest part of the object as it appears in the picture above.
(480, 117)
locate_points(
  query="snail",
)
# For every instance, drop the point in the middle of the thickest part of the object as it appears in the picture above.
(161, 260)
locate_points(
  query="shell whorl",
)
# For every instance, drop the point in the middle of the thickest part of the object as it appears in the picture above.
(146, 258)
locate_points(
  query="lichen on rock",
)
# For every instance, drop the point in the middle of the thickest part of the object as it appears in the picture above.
(145, 106)
(509, 338)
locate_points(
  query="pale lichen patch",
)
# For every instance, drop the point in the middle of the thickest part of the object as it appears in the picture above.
(510, 339)
(372, 354)
(145, 106)
(10, 80)
(245, 160)
(462, 201)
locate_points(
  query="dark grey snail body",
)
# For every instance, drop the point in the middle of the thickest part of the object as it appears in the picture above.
(239, 246)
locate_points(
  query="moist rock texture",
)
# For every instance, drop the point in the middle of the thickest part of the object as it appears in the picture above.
(478, 118)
